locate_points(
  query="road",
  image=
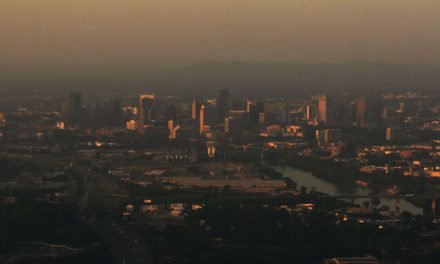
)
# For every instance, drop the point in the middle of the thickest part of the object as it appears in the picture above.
(125, 245)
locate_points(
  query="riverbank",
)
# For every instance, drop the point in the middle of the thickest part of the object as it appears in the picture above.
(323, 169)
(312, 182)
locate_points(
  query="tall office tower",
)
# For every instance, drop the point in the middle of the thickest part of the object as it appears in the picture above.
(208, 115)
(249, 104)
(274, 111)
(116, 109)
(350, 117)
(202, 119)
(223, 103)
(110, 113)
(368, 112)
(308, 113)
(211, 115)
(195, 116)
(325, 110)
(258, 114)
(65, 115)
(146, 102)
(374, 112)
(172, 129)
(361, 111)
(75, 108)
(195, 107)
(339, 112)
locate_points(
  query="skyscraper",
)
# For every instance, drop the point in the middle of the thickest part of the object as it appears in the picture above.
(109, 113)
(368, 112)
(146, 102)
(361, 111)
(223, 103)
(308, 114)
(325, 110)
(249, 104)
(211, 113)
(195, 107)
(202, 119)
(74, 108)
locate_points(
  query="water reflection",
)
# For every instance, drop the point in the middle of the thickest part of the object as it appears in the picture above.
(310, 181)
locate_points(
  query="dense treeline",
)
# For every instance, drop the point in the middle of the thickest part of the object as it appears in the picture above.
(250, 233)
(48, 223)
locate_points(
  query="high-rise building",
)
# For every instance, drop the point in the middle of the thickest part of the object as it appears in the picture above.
(275, 112)
(254, 108)
(75, 100)
(146, 102)
(195, 108)
(350, 114)
(74, 108)
(223, 103)
(208, 115)
(172, 128)
(254, 114)
(108, 113)
(249, 105)
(361, 111)
(116, 109)
(211, 113)
(202, 119)
(308, 113)
(324, 109)
(368, 112)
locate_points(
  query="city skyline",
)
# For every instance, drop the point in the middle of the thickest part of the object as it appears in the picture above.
(219, 131)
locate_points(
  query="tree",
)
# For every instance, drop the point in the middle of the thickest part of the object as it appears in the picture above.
(303, 190)
(406, 217)
(375, 201)
(366, 204)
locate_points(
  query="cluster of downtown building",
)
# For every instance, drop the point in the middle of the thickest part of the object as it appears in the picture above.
(332, 126)
(407, 125)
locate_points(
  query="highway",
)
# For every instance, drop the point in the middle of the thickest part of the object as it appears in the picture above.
(125, 245)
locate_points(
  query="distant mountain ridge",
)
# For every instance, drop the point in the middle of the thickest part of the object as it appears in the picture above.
(259, 79)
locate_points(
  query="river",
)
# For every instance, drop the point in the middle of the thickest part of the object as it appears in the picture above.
(307, 179)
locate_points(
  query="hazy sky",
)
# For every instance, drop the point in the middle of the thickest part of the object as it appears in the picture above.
(60, 33)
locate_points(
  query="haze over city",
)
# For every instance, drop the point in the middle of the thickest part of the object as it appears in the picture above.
(219, 131)
(108, 43)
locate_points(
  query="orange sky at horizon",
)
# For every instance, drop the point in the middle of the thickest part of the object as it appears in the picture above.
(131, 32)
